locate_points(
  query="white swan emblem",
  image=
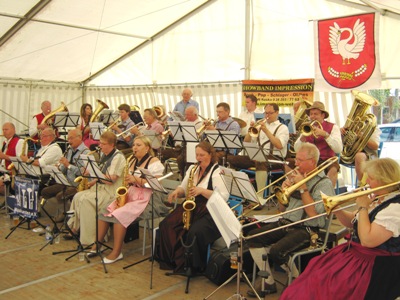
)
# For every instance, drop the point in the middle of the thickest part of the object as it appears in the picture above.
(343, 47)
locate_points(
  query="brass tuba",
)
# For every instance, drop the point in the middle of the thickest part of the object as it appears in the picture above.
(301, 115)
(100, 106)
(47, 118)
(189, 205)
(122, 191)
(359, 126)
(159, 111)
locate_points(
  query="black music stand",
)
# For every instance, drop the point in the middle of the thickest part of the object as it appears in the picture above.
(226, 140)
(136, 117)
(90, 165)
(239, 185)
(108, 116)
(66, 119)
(260, 154)
(28, 209)
(154, 184)
(231, 231)
(96, 129)
(60, 178)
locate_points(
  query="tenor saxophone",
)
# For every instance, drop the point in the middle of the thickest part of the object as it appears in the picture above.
(189, 205)
(122, 191)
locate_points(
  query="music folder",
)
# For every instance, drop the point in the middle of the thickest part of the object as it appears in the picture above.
(225, 219)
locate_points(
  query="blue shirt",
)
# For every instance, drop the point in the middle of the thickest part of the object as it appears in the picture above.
(181, 106)
(228, 125)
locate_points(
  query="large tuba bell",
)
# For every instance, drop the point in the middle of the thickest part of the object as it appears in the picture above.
(159, 111)
(47, 119)
(301, 116)
(359, 126)
(100, 106)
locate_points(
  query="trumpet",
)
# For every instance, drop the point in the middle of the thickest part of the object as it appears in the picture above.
(306, 129)
(254, 131)
(207, 122)
(129, 129)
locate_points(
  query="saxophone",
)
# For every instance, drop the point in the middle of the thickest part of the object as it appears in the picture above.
(189, 203)
(123, 190)
(11, 166)
(84, 181)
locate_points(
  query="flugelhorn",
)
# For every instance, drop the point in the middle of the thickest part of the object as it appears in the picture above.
(283, 195)
(254, 131)
(207, 122)
(306, 129)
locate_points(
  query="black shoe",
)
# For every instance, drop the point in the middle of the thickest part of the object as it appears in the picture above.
(268, 289)
(68, 237)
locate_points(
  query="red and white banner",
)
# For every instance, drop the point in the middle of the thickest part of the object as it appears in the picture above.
(346, 51)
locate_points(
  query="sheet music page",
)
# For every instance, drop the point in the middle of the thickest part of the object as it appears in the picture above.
(57, 175)
(254, 152)
(228, 225)
(152, 181)
(230, 184)
(92, 167)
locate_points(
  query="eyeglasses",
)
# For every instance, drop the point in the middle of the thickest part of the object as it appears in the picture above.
(269, 112)
(302, 160)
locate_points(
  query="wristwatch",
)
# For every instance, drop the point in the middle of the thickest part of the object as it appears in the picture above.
(302, 191)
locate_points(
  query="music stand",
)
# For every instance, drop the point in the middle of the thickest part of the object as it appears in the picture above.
(176, 116)
(231, 231)
(61, 179)
(108, 116)
(224, 139)
(28, 211)
(96, 129)
(258, 153)
(239, 185)
(136, 117)
(153, 137)
(154, 184)
(90, 165)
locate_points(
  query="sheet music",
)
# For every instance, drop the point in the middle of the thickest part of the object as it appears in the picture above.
(230, 139)
(153, 137)
(92, 167)
(96, 129)
(153, 182)
(239, 185)
(225, 219)
(58, 176)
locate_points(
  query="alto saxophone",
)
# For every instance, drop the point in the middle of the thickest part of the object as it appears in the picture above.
(84, 181)
(11, 166)
(123, 190)
(189, 203)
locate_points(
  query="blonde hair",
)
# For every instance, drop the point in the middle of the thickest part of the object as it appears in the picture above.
(146, 141)
(384, 170)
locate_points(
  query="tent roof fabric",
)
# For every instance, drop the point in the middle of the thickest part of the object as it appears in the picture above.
(133, 42)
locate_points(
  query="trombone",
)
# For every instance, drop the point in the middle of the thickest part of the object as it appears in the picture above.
(330, 204)
(283, 195)
(116, 122)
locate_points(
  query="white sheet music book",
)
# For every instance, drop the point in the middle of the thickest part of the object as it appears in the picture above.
(226, 221)
(152, 181)
(57, 175)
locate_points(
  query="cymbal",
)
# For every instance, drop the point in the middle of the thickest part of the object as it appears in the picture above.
(241, 122)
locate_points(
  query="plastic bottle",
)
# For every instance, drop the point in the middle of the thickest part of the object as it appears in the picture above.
(49, 233)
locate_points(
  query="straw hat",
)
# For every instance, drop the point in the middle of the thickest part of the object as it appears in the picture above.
(317, 105)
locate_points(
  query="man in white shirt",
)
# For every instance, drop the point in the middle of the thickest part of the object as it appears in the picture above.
(273, 137)
(248, 114)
